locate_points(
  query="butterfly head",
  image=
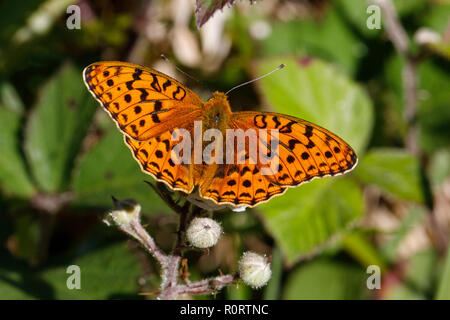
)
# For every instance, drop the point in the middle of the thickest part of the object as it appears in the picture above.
(217, 111)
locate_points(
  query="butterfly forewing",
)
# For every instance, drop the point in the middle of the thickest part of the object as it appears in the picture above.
(142, 101)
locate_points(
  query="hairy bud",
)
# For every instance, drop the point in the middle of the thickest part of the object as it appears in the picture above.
(203, 232)
(125, 212)
(254, 269)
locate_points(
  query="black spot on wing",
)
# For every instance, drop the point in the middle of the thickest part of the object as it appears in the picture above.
(244, 170)
(308, 131)
(287, 128)
(234, 168)
(276, 121)
(155, 84)
(260, 121)
(166, 84)
(137, 74)
(179, 94)
(144, 94)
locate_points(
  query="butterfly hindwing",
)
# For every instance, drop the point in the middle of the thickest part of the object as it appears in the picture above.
(241, 184)
(155, 157)
(305, 151)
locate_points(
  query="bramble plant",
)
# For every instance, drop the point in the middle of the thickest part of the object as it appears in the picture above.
(375, 72)
(199, 232)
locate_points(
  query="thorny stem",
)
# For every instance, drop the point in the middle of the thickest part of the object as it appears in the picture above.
(140, 234)
(181, 231)
(208, 285)
(170, 264)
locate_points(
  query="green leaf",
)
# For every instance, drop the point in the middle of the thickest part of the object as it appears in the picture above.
(407, 7)
(356, 12)
(443, 292)
(357, 245)
(421, 269)
(109, 169)
(10, 288)
(272, 290)
(401, 291)
(441, 48)
(19, 281)
(391, 246)
(315, 91)
(41, 20)
(10, 98)
(434, 93)
(301, 220)
(14, 15)
(329, 38)
(394, 171)
(326, 279)
(14, 178)
(106, 273)
(434, 111)
(439, 168)
(238, 292)
(57, 127)
(437, 17)
(27, 236)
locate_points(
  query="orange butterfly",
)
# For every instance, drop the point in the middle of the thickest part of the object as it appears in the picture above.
(149, 106)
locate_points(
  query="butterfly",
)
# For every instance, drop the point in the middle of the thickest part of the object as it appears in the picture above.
(149, 106)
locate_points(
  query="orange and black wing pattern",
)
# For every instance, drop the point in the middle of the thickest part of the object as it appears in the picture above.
(143, 102)
(305, 151)
(146, 106)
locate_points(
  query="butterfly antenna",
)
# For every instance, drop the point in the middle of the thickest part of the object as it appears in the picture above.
(185, 73)
(281, 66)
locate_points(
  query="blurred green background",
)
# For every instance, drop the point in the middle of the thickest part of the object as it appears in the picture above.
(61, 157)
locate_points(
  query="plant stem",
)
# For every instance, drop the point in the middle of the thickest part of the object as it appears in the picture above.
(399, 39)
(170, 264)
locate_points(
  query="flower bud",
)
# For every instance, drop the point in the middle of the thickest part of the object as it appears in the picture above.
(425, 36)
(126, 211)
(203, 232)
(254, 269)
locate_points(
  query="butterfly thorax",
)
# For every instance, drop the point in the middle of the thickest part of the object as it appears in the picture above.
(217, 112)
(216, 115)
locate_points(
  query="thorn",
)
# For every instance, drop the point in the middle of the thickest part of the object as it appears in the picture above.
(115, 201)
